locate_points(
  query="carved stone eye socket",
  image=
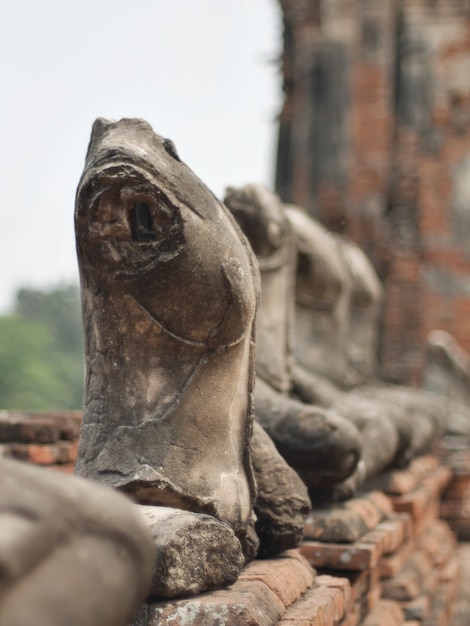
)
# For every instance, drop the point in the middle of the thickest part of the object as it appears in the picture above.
(141, 221)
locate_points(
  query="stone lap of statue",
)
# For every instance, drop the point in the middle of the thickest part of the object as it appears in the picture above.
(282, 504)
(319, 444)
(409, 413)
(169, 290)
(71, 552)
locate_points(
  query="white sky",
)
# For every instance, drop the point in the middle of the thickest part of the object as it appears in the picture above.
(200, 71)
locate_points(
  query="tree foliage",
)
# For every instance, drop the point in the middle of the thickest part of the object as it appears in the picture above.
(41, 350)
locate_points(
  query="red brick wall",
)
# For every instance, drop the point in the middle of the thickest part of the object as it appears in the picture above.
(375, 142)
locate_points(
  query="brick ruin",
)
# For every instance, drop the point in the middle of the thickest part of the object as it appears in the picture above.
(374, 140)
(385, 553)
(398, 563)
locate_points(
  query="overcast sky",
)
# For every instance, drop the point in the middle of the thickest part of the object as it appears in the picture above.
(202, 72)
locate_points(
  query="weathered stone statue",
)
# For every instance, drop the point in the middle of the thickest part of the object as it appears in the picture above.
(447, 373)
(324, 285)
(428, 412)
(282, 504)
(322, 296)
(70, 552)
(447, 367)
(300, 430)
(414, 416)
(365, 307)
(169, 290)
(319, 444)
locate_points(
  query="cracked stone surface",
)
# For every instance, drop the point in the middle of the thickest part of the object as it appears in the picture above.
(194, 552)
(169, 292)
(66, 545)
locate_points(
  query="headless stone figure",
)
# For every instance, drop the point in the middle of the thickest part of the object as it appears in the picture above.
(386, 408)
(169, 290)
(70, 552)
(365, 307)
(427, 411)
(447, 367)
(321, 373)
(319, 444)
(447, 373)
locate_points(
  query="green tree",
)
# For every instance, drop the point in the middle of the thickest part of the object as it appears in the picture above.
(58, 309)
(41, 350)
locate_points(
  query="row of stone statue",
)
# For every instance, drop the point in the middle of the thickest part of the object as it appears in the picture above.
(200, 316)
(170, 291)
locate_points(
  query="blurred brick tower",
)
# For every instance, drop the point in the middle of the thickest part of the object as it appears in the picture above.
(374, 140)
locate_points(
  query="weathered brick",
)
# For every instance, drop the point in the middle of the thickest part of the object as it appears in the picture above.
(374, 596)
(397, 530)
(417, 609)
(243, 604)
(60, 452)
(461, 605)
(341, 588)
(319, 606)
(385, 613)
(424, 497)
(400, 482)
(367, 509)
(409, 582)
(451, 570)
(381, 501)
(390, 534)
(288, 576)
(427, 519)
(461, 528)
(355, 615)
(348, 521)
(39, 426)
(455, 509)
(391, 565)
(334, 525)
(458, 489)
(441, 608)
(67, 468)
(40, 454)
(414, 503)
(16, 427)
(360, 583)
(438, 542)
(357, 556)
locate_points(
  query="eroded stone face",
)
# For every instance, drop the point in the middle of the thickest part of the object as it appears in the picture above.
(169, 292)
